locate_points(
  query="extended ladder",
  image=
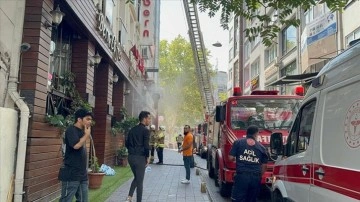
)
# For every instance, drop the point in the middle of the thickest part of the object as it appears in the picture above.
(199, 53)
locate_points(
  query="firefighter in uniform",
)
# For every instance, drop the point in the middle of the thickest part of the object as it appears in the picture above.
(152, 142)
(160, 144)
(179, 140)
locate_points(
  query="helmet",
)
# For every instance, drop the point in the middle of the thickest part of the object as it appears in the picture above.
(162, 127)
(152, 127)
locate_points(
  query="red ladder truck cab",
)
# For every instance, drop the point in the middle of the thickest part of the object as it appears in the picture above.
(269, 111)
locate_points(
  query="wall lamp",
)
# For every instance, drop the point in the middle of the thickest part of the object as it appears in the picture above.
(97, 59)
(114, 79)
(57, 17)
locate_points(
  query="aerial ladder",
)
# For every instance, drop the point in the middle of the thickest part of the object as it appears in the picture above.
(199, 54)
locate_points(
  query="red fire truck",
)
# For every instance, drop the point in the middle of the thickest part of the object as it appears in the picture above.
(201, 145)
(266, 109)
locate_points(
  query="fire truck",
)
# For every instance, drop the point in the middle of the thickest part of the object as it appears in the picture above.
(201, 145)
(266, 109)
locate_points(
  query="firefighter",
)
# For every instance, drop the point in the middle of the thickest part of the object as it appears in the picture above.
(152, 142)
(160, 144)
(179, 140)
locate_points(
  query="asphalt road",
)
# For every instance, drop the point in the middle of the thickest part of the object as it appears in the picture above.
(213, 191)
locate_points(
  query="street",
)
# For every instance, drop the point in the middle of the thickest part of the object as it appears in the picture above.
(213, 191)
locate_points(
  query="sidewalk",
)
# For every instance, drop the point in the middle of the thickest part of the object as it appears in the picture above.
(162, 183)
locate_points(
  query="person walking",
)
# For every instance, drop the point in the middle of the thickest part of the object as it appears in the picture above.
(137, 143)
(179, 140)
(152, 142)
(251, 158)
(160, 144)
(187, 150)
(73, 173)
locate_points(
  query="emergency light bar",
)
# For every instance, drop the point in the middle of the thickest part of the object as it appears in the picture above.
(237, 91)
(265, 92)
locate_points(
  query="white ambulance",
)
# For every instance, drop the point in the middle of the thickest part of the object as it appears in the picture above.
(320, 161)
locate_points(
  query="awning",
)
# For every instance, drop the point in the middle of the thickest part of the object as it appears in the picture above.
(292, 79)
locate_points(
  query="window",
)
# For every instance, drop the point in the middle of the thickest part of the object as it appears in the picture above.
(255, 42)
(255, 69)
(270, 114)
(247, 50)
(231, 34)
(289, 69)
(315, 12)
(108, 8)
(352, 36)
(246, 75)
(60, 57)
(231, 53)
(299, 137)
(270, 55)
(288, 39)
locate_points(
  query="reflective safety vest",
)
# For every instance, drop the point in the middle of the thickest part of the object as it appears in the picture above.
(160, 139)
(152, 138)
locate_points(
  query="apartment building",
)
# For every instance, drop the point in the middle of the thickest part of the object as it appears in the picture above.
(233, 68)
(300, 52)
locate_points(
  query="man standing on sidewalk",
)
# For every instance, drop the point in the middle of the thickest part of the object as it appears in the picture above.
(160, 144)
(137, 143)
(73, 173)
(251, 159)
(187, 150)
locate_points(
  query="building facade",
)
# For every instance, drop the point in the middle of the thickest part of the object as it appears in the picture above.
(100, 49)
(299, 52)
(220, 85)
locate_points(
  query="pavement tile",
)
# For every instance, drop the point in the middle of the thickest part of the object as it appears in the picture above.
(163, 183)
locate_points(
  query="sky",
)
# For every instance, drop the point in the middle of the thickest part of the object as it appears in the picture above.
(173, 23)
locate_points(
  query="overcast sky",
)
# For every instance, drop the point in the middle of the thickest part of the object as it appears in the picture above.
(173, 22)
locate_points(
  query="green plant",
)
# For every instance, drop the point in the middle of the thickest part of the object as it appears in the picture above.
(125, 124)
(61, 121)
(122, 152)
(94, 165)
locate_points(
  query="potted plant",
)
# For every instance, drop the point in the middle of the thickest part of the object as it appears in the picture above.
(94, 174)
(122, 156)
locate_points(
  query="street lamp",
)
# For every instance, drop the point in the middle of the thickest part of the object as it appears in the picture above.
(217, 44)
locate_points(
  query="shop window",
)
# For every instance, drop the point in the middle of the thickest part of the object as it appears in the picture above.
(288, 39)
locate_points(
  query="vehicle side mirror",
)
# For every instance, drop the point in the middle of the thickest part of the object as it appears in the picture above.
(220, 113)
(276, 144)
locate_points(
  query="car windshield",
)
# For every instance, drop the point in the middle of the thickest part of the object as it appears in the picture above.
(266, 114)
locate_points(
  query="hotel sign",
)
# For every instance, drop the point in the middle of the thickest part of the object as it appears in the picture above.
(109, 37)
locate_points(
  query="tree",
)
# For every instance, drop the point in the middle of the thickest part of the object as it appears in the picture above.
(248, 9)
(181, 101)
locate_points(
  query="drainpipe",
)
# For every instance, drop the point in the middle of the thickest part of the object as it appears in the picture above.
(23, 133)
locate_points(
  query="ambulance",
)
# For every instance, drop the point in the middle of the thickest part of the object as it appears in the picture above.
(320, 161)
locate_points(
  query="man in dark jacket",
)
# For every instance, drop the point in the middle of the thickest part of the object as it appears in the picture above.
(251, 158)
(137, 143)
